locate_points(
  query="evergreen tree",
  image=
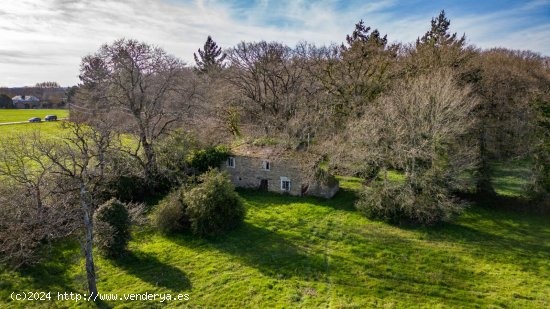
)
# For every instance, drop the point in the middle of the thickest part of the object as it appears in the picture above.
(439, 34)
(361, 34)
(211, 57)
(5, 101)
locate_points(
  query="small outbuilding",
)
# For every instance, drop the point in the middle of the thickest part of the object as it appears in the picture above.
(275, 169)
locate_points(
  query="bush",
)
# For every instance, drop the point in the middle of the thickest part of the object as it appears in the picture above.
(112, 228)
(208, 158)
(213, 206)
(424, 203)
(127, 188)
(26, 229)
(171, 215)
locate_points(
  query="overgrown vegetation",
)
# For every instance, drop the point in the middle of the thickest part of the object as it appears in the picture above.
(171, 213)
(208, 158)
(209, 208)
(112, 225)
(408, 202)
(213, 206)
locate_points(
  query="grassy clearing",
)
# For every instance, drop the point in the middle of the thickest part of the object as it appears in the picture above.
(511, 177)
(308, 252)
(15, 115)
(49, 130)
(46, 129)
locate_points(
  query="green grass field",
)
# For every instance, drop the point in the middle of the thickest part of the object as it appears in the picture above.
(310, 253)
(15, 115)
(511, 177)
(307, 252)
(45, 128)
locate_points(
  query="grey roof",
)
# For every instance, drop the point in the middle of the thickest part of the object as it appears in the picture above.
(25, 98)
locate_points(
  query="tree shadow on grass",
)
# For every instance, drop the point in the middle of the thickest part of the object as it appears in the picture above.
(270, 252)
(51, 274)
(499, 236)
(149, 269)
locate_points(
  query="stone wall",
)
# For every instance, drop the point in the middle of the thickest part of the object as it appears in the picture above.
(249, 173)
(321, 190)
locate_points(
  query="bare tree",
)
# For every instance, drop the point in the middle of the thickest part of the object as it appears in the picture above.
(26, 230)
(78, 159)
(21, 162)
(32, 210)
(266, 74)
(149, 89)
(419, 126)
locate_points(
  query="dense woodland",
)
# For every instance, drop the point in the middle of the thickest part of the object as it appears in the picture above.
(143, 123)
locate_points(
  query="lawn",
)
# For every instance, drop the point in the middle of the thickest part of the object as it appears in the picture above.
(309, 252)
(45, 128)
(511, 177)
(15, 115)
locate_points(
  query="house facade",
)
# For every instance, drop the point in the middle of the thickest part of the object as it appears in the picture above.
(25, 101)
(272, 171)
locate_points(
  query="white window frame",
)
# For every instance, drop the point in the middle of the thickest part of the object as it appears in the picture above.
(283, 180)
(266, 165)
(231, 162)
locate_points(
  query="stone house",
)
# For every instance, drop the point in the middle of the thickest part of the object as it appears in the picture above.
(277, 170)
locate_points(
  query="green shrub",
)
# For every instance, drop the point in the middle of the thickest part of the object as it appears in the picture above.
(170, 215)
(213, 206)
(127, 188)
(112, 228)
(425, 202)
(208, 158)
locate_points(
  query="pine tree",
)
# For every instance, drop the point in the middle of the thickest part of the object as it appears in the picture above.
(210, 58)
(439, 34)
(361, 34)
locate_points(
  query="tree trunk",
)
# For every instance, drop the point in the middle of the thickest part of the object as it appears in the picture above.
(150, 162)
(87, 212)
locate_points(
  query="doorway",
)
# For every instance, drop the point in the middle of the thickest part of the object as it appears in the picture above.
(263, 185)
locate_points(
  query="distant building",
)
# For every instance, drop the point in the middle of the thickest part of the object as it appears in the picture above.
(278, 170)
(26, 101)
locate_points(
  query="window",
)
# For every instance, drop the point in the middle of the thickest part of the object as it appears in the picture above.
(266, 165)
(231, 162)
(285, 184)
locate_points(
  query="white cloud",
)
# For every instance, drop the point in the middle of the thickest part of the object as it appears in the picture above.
(45, 39)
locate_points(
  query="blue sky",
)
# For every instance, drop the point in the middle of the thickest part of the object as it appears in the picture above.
(44, 40)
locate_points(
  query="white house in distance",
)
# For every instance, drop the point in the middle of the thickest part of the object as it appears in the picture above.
(26, 101)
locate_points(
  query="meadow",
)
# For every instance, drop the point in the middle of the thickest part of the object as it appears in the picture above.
(44, 128)
(310, 253)
(15, 115)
